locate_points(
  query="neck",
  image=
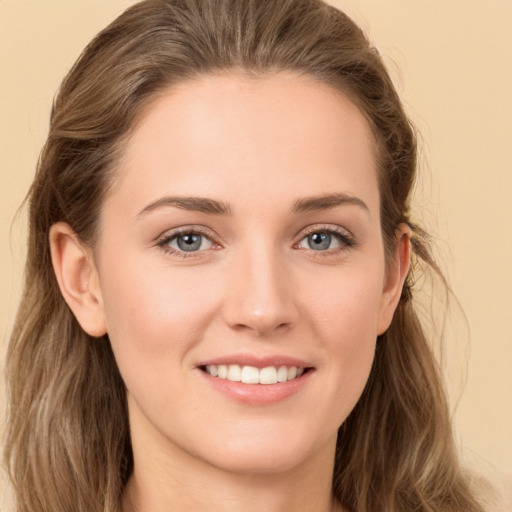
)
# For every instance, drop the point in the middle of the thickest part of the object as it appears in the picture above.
(251, 494)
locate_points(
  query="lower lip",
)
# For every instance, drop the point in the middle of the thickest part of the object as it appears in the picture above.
(258, 394)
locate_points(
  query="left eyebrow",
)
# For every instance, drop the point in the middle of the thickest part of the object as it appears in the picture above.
(326, 202)
(196, 204)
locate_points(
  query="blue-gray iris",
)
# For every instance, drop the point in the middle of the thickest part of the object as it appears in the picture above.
(189, 242)
(319, 241)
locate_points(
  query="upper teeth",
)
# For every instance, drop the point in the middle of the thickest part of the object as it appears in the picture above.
(253, 375)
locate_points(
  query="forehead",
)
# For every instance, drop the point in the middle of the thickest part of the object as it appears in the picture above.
(230, 132)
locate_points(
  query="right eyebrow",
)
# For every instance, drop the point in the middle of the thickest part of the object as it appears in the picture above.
(195, 204)
(328, 201)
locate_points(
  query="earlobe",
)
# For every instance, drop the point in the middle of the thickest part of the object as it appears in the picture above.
(78, 279)
(396, 274)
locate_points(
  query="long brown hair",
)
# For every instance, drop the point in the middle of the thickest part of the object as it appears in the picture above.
(68, 445)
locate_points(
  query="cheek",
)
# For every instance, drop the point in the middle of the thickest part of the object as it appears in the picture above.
(352, 341)
(154, 317)
(344, 317)
(345, 305)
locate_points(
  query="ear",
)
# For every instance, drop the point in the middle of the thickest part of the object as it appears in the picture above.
(78, 278)
(396, 274)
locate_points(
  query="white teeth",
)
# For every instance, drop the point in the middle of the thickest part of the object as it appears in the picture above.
(268, 375)
(282, 374)
(253, 375)
(292, 372)
(250, 375)
(234, 373)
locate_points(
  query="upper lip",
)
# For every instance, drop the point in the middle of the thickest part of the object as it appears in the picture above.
(256, 361)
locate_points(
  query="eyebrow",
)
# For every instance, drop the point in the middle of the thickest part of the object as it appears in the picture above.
(195, 204)
(326, 202)
(214, 207)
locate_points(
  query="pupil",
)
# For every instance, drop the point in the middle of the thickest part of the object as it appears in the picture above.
(320, 241)
(189, 242)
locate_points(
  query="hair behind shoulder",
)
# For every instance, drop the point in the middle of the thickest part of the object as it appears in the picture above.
(68, 446)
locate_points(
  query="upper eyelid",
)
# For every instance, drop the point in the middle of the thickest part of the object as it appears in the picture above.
(195, 229)
(162, 243)
(345, 237)
(329, 228)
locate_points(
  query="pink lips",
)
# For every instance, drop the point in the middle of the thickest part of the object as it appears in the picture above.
(257, 394)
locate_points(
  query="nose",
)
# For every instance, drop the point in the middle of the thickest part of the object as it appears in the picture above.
(260, 298)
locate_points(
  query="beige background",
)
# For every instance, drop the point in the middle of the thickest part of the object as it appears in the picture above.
(452, 62)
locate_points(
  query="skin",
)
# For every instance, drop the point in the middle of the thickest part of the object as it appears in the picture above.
(259, 147)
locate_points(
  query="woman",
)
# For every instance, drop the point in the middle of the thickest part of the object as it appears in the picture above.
(218, 306)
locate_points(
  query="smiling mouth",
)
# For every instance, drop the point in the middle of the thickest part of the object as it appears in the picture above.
(253, 375)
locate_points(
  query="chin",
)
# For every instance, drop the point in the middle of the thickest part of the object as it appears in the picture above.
(267, 454)
(259, 463)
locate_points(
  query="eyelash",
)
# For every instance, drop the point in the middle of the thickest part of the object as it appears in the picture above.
(347, 240)
(164, 241)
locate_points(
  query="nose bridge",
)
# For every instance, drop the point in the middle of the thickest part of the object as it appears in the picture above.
(258, 290)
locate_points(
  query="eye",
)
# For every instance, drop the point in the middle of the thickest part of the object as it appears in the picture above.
(320, 241)
(326, 239)
(188, 241)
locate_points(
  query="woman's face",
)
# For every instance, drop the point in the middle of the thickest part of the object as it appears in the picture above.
(241, 239)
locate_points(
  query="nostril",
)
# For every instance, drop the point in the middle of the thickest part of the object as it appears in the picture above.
(263, 328)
